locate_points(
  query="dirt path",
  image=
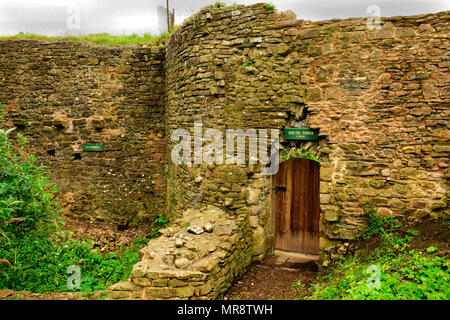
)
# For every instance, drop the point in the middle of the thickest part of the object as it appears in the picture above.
(275, 279)
(271, 279)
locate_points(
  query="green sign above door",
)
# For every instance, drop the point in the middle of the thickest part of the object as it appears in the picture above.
(301, 134)
(92, 146)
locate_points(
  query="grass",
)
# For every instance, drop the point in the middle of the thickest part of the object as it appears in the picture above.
(99, 38)
(269, 6)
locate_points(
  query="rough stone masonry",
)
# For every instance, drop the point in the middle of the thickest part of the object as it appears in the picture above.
(380, 99)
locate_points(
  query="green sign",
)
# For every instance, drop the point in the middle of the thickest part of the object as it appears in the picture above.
(92, 146)
(301, 134)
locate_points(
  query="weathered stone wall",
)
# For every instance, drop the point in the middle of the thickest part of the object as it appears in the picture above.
(381, 101)
(69, 93)
(379, 97)
(208, 84)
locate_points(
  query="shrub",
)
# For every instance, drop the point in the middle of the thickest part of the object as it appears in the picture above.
(35, 252)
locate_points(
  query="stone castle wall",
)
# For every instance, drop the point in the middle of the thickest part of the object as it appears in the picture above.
(63, 94)
(380, 99)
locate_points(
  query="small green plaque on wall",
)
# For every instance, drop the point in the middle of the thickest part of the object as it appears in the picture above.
(93, 147)
(301, 134)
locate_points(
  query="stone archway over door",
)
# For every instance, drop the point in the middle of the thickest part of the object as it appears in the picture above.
(296, 206)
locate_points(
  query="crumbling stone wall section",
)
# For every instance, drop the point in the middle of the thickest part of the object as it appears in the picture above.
(380, 98)
(196, 258)
(62, 94)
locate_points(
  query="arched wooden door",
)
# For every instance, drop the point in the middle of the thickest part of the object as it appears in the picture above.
(296, 206)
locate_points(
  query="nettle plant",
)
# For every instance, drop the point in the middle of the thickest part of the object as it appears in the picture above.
(27, 196)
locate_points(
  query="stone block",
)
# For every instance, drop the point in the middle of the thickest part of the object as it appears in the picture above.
(330, 213)
(160, 292)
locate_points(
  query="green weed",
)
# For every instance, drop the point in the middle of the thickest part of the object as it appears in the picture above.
(246, 64)
(401, 274)
(378, 225)
(407, 276)
(269, 6)
(159, 223)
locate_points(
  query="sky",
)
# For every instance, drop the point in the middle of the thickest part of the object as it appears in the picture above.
(61, 17)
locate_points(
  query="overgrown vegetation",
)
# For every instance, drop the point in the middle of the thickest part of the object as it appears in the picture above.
(390, 272)
(101, 38)
(297, 153)
(269, 6)
(35, 250)
(159, 223)
(379, 225)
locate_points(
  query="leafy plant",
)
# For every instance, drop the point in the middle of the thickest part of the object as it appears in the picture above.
(407, 276)
(217, 4)
(402, 274)
(378, 225)
(160, 222)
(297, 153)
(101, 38)
(413, 232)
(431, 249)
(269, 6)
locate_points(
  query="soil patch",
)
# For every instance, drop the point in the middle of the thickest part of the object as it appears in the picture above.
(271, 280)
(106, 236)
(423, 233)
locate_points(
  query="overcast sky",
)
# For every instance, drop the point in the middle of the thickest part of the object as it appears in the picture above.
(60, 17)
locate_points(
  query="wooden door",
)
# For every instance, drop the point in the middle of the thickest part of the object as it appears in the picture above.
(296, 206)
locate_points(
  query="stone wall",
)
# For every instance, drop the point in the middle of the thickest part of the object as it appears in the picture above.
(62, 94)
(380, 99)
(198, 257)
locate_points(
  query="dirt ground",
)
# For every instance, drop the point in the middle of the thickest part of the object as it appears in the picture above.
(274, 280)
